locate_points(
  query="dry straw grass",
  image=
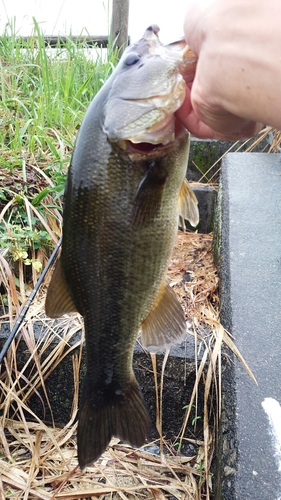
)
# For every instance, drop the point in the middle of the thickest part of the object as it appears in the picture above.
(39, 460)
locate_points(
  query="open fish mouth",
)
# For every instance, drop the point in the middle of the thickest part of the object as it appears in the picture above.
(143, 150)
(146, 148)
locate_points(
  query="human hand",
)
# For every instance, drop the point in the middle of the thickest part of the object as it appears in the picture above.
(235, 86)
(217, 124)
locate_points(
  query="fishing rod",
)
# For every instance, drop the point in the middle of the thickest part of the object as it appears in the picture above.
(28, 303)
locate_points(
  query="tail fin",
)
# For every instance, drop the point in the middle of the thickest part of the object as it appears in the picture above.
(108, 413)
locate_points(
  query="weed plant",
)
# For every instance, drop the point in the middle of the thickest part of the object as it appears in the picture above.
(44, 94)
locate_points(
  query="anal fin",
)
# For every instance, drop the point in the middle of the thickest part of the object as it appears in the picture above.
(188, 205)
(58, 299)
(165, 325)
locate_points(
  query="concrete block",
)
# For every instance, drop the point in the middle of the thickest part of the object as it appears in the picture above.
(206, 196)
(248, 250)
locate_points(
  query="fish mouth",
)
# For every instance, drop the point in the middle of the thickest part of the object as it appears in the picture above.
(145, 149)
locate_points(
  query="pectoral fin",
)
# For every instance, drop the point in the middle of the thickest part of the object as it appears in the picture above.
(58, 300)
(148, 196)
(188, 205)
(165, 325)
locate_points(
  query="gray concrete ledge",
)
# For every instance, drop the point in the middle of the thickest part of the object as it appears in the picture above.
(204, 153)
(248, 250)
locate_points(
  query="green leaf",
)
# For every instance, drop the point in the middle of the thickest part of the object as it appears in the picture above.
(40, 196)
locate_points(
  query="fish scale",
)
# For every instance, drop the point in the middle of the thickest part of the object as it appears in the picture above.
(125, 191)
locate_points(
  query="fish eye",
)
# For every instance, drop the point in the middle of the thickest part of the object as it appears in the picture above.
(132, 59)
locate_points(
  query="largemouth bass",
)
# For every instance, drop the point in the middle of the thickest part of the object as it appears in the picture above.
(125, 191)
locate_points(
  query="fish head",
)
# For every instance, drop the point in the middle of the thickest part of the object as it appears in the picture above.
(147, 88)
